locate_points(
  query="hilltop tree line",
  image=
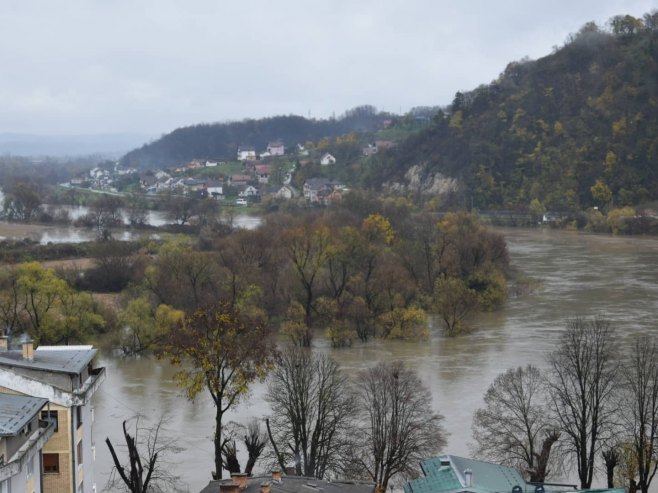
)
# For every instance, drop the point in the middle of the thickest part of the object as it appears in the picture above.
(588, 409)
(572, 130)
(221, 140)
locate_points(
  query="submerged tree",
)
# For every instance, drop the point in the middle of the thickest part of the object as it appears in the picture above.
(22, 202)
(220, 350)
(398, 427)
(581, 384)
(513, 427)
(454, 301)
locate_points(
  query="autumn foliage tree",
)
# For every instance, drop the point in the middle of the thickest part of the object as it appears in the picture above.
(36, 301)
(219, 350)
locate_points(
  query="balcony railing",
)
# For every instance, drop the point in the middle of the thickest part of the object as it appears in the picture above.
(27, 450)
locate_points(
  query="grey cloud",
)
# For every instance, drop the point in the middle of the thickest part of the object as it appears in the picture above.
(94, 66)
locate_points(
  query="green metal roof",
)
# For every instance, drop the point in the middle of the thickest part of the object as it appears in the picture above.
(440, 479)
(445, 474)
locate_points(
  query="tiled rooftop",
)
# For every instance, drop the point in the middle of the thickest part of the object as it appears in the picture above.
(296, 484)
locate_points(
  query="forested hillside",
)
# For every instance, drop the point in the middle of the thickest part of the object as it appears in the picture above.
(577, 128)
(221, 140)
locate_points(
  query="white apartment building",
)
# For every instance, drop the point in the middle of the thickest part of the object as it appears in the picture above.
(66, 378)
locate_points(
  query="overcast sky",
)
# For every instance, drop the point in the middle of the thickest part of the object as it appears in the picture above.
(149, 66)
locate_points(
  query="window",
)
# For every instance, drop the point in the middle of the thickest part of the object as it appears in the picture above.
(79, 452)
(78, 415)
(30, 467)
(51, 463)
(51, 416)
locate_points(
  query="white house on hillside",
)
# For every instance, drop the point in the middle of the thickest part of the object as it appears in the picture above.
(276, 148)
(246, 153)
(327, 159)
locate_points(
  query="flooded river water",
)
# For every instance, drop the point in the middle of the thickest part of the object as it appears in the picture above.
(580, 275)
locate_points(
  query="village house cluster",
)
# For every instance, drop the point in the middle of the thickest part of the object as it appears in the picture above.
(46, 418)
(251, 184)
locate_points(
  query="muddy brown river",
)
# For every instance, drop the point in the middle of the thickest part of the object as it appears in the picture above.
(579, 274)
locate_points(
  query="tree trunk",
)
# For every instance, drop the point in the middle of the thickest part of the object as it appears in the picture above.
(632, 486)
(610, 459)
(538, 475)
(217, 474)
(230, 455)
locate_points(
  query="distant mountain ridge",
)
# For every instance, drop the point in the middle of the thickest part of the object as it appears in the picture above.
(221, 140)
(574, 129)
(35, 145)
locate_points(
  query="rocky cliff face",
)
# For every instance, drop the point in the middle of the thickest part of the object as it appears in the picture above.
(417, 179)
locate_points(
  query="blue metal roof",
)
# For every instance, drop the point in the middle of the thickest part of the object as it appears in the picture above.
(16, 411)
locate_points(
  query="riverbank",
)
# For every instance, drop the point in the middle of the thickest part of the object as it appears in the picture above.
(20, 231)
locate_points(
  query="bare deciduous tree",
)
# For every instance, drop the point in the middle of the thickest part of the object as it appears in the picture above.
(581, 384)
(398, 427)
(312, 410)
(255, 441)
(147, 469)
(513, 428)
(639, 408)
(610, 460)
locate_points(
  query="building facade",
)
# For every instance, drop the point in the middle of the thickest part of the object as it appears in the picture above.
(23, 435)
(64, 376)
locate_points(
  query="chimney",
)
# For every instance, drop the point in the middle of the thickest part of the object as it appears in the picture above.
(240, 478)
(229, 488)
(4, 343)
(468, 478)
(265, 487)
(276, 475)
(28, 350)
